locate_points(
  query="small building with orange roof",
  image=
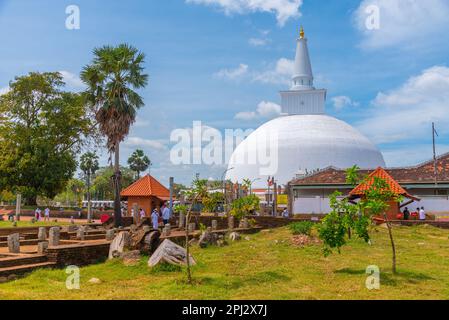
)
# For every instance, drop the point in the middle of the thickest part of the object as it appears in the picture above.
(393, 186)
(147, 193)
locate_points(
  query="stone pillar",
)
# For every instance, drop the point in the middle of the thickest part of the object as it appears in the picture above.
(42, 247)
(245, 223)
(80, 234)
(167, 230)
(191, 227)
(214, 224)
(14, 243)
(136, 213)
(231, 222)
(42, 234)
(182, 221)
(110, 235)
(54, 237)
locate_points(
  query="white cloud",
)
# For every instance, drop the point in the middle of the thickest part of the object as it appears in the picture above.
(233, 74)
(137, 142)
(406, 113)
(71, 79)
(341, 102)
(279, 74)
(258, 42)
(403, 22)
(4, 90)
(283, 9)
(265, 110)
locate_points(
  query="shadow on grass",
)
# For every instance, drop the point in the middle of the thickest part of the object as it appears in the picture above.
(233, 283)
(388, 278)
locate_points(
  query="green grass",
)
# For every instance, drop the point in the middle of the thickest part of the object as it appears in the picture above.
(8, 224)
(266, 267)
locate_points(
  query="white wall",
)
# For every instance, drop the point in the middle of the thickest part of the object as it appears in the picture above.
(309, 205)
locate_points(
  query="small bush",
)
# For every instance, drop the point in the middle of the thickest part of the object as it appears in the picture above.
(304, 227)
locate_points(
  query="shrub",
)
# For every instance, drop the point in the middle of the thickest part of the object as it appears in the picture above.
(304, 227)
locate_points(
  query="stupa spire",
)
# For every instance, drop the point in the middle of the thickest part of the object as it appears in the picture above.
(303, 76)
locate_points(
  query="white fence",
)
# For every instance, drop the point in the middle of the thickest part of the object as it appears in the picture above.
(320, 205)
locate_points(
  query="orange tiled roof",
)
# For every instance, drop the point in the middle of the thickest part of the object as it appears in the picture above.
(145, 187)
(395, 187)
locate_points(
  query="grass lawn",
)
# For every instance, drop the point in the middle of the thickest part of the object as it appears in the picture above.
(8, 224)
(267, 266)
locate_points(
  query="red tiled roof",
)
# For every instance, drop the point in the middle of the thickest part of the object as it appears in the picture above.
(368, 182)
(145, 187)
(422, 173)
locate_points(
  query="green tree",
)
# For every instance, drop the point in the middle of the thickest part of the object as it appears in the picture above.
(194, 195)
(102, 183)
(245, 206)
(89, 165)
(139, 162)
(112, 78)
(345, 215)
(43, 128)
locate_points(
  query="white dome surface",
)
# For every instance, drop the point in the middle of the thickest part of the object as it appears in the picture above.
(302, 142)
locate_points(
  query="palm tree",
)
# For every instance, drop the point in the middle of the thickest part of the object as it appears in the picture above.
(112, 78)
(139, 162)
(89, 165)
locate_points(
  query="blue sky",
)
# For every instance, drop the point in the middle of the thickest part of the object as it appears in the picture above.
(210, 60)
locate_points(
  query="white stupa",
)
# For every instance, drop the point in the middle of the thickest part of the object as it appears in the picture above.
(303, 138)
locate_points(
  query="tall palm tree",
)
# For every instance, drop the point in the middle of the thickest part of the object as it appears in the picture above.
(139, 162)
(112, 78)
(89, 165)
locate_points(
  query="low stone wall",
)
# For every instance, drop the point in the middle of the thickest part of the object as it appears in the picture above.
(438, 224)
(79, 254)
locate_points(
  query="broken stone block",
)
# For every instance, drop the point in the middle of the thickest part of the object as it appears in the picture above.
(170, 252)
(118, 245)
(110, 234)
(234, 236)
(42, 247)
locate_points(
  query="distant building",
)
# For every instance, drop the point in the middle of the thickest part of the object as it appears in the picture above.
(310, 194)
(147, 193)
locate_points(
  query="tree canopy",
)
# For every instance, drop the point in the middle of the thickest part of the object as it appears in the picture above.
(43, 128)
(139, 162)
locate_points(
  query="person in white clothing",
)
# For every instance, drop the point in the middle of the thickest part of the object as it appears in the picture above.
(155, 219)
(165, 214)
(422, 214)
(47, 214)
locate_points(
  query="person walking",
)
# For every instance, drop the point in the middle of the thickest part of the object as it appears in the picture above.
(155, 219)
(406, 214)
(422, 214)
(47, 214)
(165, 214)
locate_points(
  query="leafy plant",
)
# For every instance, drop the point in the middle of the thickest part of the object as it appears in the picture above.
(245, 206)
(346, 216)
(210, 201)
(303, 227)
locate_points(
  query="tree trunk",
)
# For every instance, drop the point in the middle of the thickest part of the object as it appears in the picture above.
(186, 227)
(393, 246)
(89, 209)
(117, 187)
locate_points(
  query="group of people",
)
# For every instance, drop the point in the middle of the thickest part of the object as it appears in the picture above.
(420, 212)
(157, 216)
(38, 214)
